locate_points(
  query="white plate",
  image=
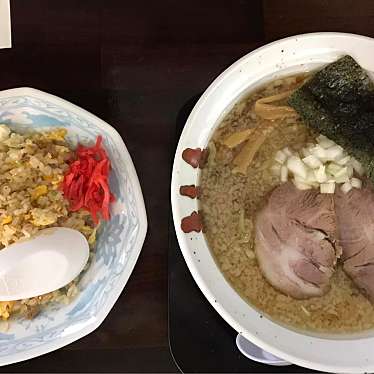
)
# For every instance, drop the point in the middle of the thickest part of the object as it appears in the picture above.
(352, 353)
(119, 240)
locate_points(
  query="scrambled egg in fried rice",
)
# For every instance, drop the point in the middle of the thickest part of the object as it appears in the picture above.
(32, 167)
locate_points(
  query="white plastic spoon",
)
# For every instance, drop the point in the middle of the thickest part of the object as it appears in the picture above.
(42, 264)
(255, 353)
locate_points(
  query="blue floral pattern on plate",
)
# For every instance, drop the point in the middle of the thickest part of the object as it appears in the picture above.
(119, 241)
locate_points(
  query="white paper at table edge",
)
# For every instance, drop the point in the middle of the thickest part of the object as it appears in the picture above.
(5, 29)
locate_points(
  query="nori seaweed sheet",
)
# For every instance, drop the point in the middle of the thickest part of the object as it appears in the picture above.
(338, 102)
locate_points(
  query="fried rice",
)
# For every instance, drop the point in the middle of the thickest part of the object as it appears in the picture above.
(32, 167)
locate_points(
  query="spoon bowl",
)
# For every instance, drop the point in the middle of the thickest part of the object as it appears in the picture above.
(43, 264)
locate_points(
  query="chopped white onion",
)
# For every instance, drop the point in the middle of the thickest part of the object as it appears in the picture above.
(346, 187)
(325, 142)
(299, 179)
(280, 157)
(327, 187)
(312, 161)
(343, 161)
(320, 174)
(287, 152)
(350, 171)
(333, 169)
(343, 171)
(358, 168)
(297, 167)
(305, 152)
(301, 185)
(356, 183)
(284, 174)
(342, 175)
(319, 152)
(323, 165)
(334, 153)
(306, 181)
(344, 178)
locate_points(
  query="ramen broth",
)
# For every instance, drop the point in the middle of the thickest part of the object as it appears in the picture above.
(230, 201)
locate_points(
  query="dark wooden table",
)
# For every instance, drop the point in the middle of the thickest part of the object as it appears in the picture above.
(134, 64)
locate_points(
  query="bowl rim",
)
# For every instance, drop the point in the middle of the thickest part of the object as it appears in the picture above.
(184, 246)
(95, 321)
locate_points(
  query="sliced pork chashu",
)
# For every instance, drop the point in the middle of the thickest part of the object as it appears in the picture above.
(355, 217)
(295, 241)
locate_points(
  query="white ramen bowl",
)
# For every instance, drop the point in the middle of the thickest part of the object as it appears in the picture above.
(350, 353)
